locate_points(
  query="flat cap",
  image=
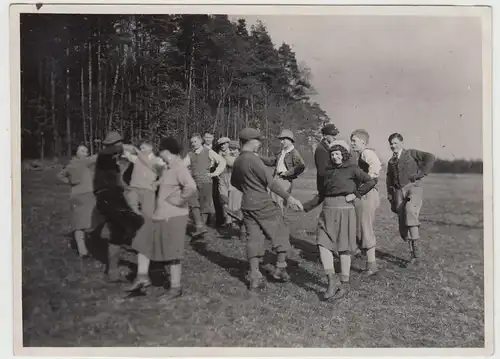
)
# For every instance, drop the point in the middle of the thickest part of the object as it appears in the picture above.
(249, 133)
(330, 129)
(223, 140)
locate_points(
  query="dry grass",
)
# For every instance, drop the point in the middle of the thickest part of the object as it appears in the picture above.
(66, 303)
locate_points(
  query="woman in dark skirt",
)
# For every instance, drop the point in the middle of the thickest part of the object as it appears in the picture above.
(162, 239)
(343, 184)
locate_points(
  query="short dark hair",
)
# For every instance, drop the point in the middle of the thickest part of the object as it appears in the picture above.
(345, 153)
(395, 135)
(171, 145)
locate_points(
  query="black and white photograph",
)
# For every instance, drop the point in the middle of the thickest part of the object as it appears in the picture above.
(234, 177)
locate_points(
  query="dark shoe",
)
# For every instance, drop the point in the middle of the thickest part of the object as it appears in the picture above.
(281, 275)
(200, 230)
(85, 257)
(170, 294)
(140, 283)
(339, 293)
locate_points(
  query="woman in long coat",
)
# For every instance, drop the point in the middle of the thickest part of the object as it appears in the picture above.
(162, 239)
(78, 174)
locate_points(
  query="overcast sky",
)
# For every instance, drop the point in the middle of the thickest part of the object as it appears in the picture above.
(420, 76)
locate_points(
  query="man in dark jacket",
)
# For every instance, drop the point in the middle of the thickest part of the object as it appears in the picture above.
(405, 173)
(288, 165)
(322, 154)
(121, 221)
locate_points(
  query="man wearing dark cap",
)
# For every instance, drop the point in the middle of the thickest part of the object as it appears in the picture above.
(322, 155)
(121, 221)
(261, 215)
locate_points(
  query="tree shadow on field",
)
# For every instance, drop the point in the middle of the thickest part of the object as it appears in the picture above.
(479, 225)
(235, 267)
(238, 268)
(310, 253)
(388, 257)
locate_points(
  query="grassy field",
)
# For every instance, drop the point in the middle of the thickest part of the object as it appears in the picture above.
(68, 303)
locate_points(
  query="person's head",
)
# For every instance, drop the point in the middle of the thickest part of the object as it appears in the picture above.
(234, 148)
(329, 132)
(146, 146)
(169, 149)
(359, 140)
(81, 151)
(339, 154)
(250, 139)
(396, 142)
(113, 138)
(223, 143)
(286, 138)
(196, 141)
(208, 139)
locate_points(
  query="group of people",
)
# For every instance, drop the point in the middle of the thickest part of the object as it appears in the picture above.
(149, 208)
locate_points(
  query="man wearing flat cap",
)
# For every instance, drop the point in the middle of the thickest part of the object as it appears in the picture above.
(261, 215)
(288, 165)
(121, 221)
(322, 158)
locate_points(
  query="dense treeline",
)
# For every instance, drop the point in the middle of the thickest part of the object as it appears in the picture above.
(155, 75)
(458, 166)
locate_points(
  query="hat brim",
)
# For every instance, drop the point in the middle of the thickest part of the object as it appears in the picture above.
(282, 137)
(107, 143)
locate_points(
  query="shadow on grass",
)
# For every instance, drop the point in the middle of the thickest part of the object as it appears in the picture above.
(460, 225)
(235, 267)
(238, 268)
(388, 257)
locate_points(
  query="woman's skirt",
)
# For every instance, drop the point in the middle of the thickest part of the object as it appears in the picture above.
(162, 240)
(82, 208)
(337, 225)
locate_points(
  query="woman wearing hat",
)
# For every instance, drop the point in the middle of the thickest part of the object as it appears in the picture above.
(288, 165)
(78, 174)
(342, 185)
(162, 239)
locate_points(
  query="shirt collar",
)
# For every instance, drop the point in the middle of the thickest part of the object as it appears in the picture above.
(288, 150)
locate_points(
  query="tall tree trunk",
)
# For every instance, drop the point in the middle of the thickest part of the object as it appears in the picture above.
(99, 80)
(122, 104)
(68, 120)
(104, 101)
(55, 132)
(91, 125)
(115, 84)
(189, 92)
(84, 121)
(130, 119)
